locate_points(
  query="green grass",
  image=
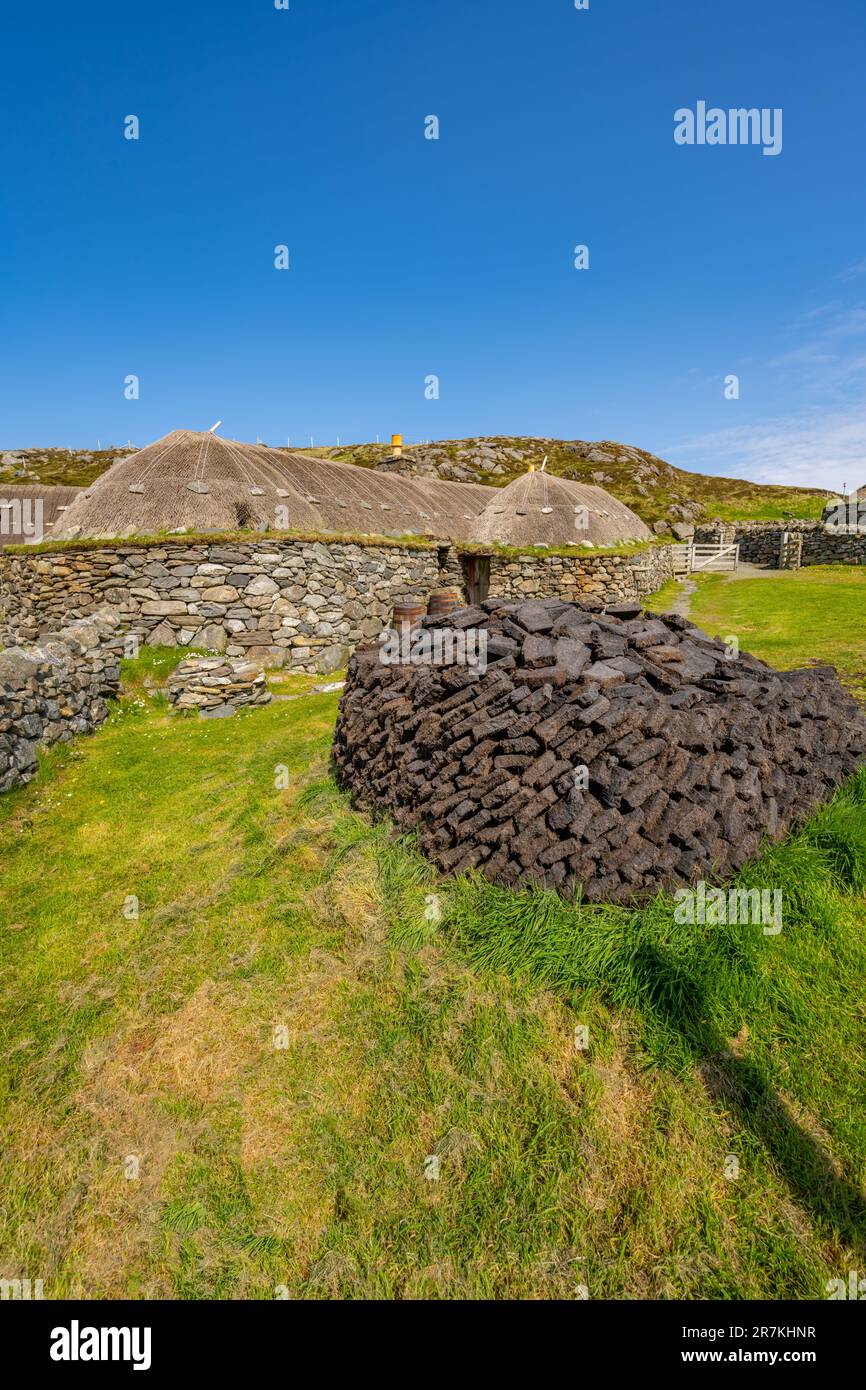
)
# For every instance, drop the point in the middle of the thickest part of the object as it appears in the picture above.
(422, 1020)
(754, 502)
(541, 551)
(662, 601)
(185, 538)
(789, 618)
(408, 542)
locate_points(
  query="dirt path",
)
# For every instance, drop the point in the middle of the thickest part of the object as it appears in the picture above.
(747, 571)
(683, 601)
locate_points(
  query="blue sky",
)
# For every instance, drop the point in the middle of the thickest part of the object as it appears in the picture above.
(411, 257)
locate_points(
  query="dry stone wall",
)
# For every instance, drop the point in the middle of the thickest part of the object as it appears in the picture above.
(217, 686)
(760, 542)
(825, 546)
(50, 692)
(285, 603)
(622, 752)
(304, 605)
(606, 578)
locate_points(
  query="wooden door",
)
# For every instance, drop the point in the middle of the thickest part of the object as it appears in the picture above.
(476, 576)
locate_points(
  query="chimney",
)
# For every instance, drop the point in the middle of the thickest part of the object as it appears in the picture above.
(397, 446)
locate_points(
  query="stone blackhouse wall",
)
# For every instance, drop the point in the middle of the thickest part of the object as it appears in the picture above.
(288, 602)
(53, 691)
(285, 602)
(610, 578)
(760, 542)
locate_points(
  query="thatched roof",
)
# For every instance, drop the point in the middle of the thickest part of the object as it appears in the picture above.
(189, 481)
(541, 509)
(20, 511)
(349, 498)
(202, 482)
(463, 504)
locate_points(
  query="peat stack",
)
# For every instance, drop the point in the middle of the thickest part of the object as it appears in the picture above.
(618, 750)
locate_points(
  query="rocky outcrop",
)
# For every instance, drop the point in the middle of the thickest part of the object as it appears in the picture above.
(621, 752)
(58, 467)
(50, 692)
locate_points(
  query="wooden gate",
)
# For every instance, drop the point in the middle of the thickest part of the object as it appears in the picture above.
(791, 550)
(691, 558)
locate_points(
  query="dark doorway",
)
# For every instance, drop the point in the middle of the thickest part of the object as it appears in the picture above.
(476, 576)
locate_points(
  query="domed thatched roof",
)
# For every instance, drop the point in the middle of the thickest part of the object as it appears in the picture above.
(201, 482)
(541, 509)
(190, 481)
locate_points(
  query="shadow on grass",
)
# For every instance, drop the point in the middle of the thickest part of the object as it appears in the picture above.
(680, 1005)
(692, 985)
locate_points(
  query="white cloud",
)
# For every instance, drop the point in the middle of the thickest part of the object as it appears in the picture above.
(821, 442)
(810, 354)
(812, 449)
(839, 326)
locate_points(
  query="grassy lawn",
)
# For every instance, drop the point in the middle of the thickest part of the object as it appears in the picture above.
(308, 1067)
(789, 618)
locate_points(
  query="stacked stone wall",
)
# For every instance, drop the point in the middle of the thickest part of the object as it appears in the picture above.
(292, 604)
(303, 605)
(760, 542)
(53, 691)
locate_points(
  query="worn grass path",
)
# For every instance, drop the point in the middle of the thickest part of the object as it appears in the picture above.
(306, 1066)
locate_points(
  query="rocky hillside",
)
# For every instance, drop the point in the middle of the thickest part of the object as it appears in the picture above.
(654, 489)
(57, 467)
(657, 491)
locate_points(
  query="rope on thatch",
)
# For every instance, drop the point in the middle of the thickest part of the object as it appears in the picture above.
(541, 509)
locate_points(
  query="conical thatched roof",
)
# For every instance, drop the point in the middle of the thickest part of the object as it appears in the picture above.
(541, 509)
(190, 481)
(20, 511)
